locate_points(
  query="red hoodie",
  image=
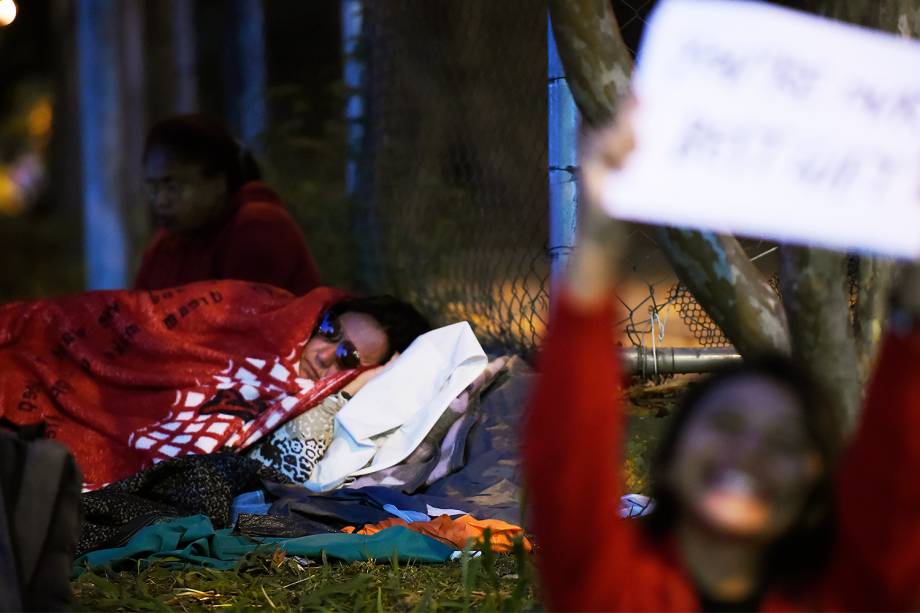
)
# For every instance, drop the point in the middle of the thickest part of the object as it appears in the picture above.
(260, 242)
(590, 559)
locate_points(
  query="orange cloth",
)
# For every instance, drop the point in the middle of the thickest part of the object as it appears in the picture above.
(460, 532)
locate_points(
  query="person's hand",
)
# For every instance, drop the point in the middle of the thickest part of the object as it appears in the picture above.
(361, 380)
(592, 271)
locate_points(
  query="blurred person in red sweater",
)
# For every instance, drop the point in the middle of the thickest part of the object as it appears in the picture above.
(216, 219)
(760, 505)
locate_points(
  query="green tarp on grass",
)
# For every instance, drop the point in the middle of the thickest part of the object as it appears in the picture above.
(193, 540)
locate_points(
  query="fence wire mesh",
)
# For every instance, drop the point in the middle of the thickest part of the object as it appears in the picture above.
(453, 193)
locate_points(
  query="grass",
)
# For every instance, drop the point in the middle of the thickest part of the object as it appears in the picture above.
(489, 583)
(277, 581)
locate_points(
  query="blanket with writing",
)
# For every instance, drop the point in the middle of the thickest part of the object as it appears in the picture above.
(125, 379)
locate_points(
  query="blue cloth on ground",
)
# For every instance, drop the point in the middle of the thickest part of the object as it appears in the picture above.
(357, 507)
(406, 516)
(193, 540)
(248, 502)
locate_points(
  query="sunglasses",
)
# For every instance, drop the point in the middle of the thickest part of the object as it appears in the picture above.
(346, 354)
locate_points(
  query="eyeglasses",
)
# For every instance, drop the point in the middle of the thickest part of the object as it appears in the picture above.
(169, 187)
(346, 354)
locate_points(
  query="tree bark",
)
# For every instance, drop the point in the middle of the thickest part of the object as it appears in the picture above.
(597, 62)
(839, 345)
(735, 294)
(816, 322)
(874, 279)
(172, 72)
(816, 298)
(715, 268)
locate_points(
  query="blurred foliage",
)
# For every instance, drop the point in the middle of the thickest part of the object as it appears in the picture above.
(277, 581)
(40, 246)
(308, 170)
(41, 254)
(27, 125)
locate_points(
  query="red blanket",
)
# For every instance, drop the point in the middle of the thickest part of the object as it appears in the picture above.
(127, 378)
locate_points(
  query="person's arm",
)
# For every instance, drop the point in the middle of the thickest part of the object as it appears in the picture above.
(574, 431)
(266, 247)
(878, 499)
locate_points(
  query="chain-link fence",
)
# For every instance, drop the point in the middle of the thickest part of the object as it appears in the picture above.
(454, 196)
(455, 162)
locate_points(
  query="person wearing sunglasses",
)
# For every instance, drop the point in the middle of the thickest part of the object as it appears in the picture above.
(356, 333)
(360, 333)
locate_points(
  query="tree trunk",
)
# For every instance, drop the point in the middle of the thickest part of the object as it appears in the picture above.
(132, 99)
(597, 62)
(874, 279)
(172, 71)
(715, 268)
(735, 294)
(816, 298)
(836, 343)
(110, 94)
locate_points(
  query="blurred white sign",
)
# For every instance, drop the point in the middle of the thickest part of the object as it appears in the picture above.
(767, 122)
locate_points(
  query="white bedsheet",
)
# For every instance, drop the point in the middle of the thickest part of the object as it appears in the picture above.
(390, 416)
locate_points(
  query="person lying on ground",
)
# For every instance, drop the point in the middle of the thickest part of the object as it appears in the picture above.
(297, 447)
(127, 378)
(216, 219)
(756, 509)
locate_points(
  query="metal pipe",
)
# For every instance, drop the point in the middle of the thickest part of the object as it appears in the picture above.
(563, 138)
(673, 361)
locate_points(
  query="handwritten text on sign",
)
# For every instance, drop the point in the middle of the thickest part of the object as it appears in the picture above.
(761, 121)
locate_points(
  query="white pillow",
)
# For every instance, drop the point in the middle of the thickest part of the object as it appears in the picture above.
(390, 416)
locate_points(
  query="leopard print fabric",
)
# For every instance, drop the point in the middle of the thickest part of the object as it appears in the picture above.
(296, 448)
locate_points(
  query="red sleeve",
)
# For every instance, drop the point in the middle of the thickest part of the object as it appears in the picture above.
(878, 491)
(266, 246)
(572, 454)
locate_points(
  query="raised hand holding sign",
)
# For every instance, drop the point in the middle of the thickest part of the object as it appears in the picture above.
(761, 121)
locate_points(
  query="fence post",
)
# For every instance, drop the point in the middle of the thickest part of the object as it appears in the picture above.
(563, 137)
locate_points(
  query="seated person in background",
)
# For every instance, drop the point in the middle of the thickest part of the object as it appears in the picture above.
(756, 509)
(216, 220)
(353, 332)
(128, 378)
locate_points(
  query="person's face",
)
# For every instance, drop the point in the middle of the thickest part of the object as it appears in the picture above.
(744, 464)
(182, 197)
(355, 332)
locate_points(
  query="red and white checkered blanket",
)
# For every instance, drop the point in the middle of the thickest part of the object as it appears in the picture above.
(128, 378)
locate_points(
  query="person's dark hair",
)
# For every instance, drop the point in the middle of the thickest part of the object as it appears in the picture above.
(206, 143)
(804, 550)
(401, 321)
